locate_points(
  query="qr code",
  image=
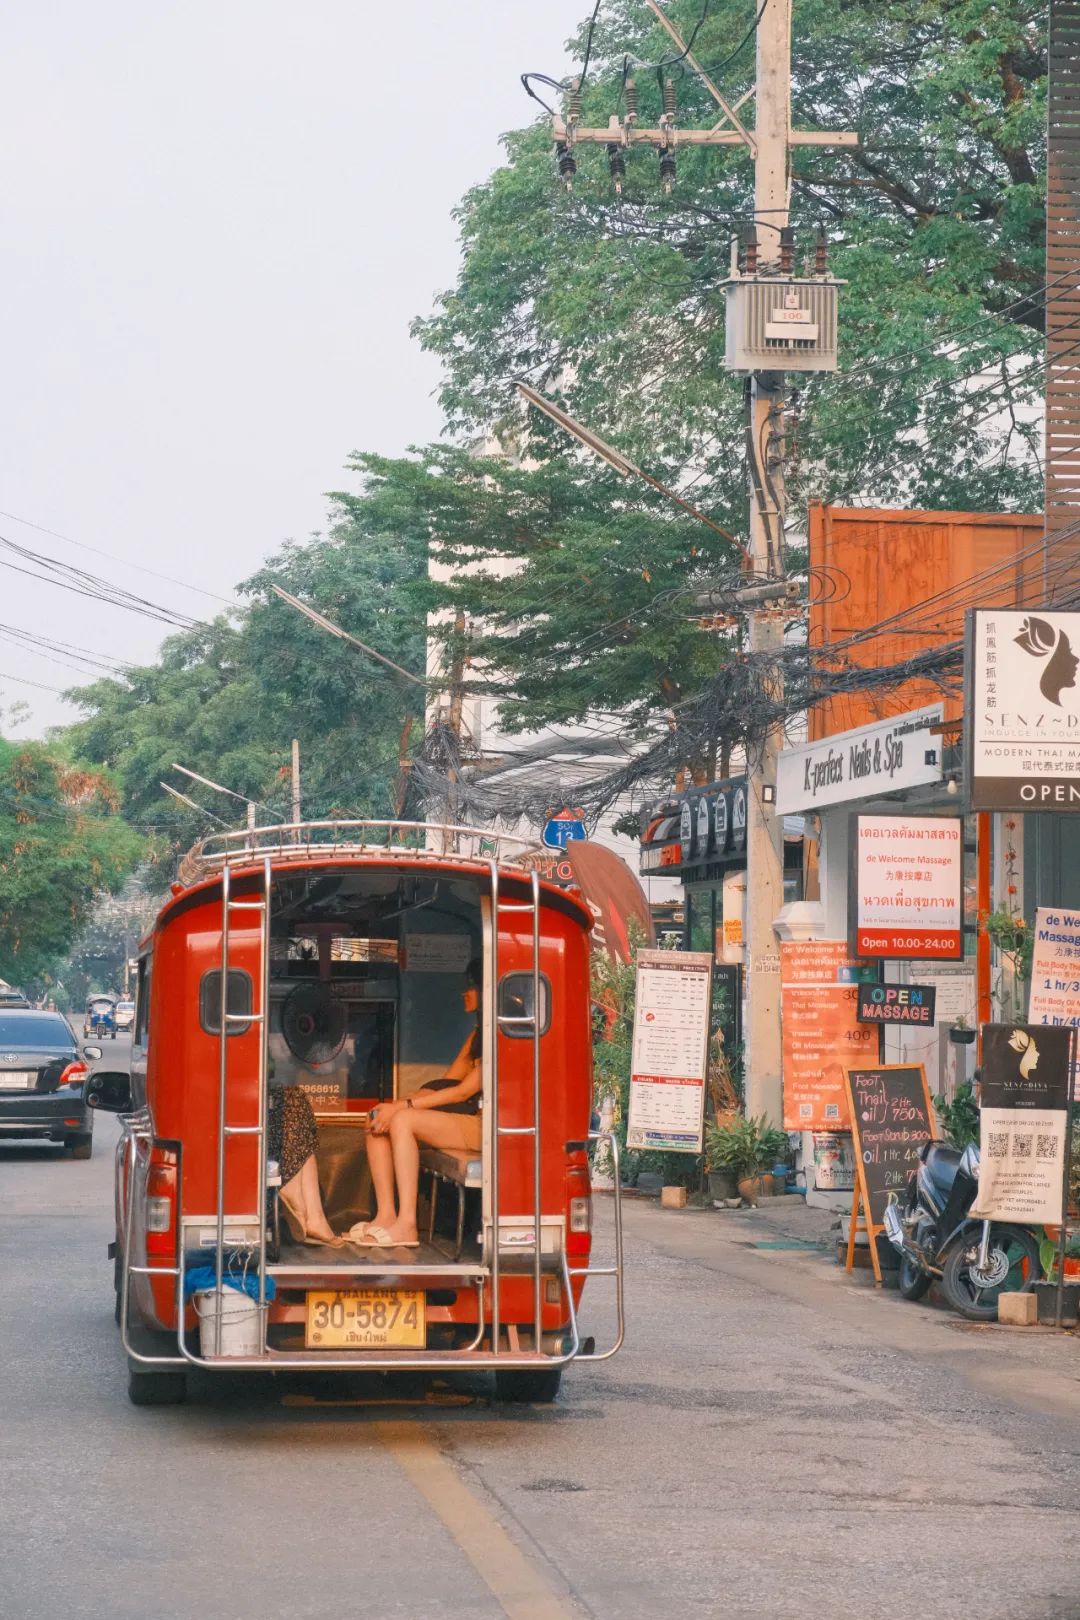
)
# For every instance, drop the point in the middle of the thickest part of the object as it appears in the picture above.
(997, 1145)
(832, 1110)
(806, 1110)
(1022, 1145)
(1046, 1147)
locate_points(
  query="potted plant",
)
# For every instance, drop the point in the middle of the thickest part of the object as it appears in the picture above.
(745, 1148)
(1046, 1290)
(961, 1033)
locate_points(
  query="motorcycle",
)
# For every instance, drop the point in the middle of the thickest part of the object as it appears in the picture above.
(937, 1237)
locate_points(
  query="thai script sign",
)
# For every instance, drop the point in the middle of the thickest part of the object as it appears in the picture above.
(906, 891)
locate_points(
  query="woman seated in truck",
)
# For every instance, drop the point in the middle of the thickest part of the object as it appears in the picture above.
(294, 1136)
(444, 1113)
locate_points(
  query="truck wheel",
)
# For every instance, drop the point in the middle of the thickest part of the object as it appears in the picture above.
(524, 1384)
(80, 1147)
(156, 1388)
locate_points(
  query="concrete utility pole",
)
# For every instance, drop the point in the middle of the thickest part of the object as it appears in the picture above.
(295, 780)
(764, 828)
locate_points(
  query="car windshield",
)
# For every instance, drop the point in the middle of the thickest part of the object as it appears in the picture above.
(125, 1006)
(34, 1030)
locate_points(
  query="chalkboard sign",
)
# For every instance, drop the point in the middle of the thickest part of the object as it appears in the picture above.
(891, 1117)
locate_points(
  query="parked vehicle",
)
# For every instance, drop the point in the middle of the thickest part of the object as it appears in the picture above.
(42, 1074)
(100, 1019)
(125, 1015)
(11, 997)
(937, 1237)
(333, 956)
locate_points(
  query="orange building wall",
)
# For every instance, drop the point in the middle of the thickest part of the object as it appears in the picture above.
(919, 570)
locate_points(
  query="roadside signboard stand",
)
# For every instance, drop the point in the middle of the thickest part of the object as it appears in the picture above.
(891, 1118)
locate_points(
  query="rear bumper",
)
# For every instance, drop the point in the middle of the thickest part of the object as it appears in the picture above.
(52, 1114)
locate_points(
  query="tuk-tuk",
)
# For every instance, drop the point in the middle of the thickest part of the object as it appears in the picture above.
(342, 958)
(100, 1018)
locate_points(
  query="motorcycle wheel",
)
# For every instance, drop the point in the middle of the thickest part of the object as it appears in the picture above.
(912, 1281)
(1011, 1247)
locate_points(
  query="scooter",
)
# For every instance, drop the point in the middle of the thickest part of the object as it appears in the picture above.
(937, 1237)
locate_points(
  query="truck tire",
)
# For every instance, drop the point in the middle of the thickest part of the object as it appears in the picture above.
(536, 1386)
(156, 1388)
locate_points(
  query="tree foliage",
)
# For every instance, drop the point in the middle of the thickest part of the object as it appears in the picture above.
(226, 698)
(936, 223)
(62, 843)
(574, 589)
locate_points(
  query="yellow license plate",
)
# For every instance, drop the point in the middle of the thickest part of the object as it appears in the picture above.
(366, 1319)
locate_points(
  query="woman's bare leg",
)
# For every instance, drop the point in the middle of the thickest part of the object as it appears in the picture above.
(303, 1194)
(381, 1160)
(408, 1129)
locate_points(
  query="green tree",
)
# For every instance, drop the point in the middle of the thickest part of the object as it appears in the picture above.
(226, 698)
(573, 588)
(62, 843)
(936, 223)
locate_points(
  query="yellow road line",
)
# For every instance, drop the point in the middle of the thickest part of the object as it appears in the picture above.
(515, 1583)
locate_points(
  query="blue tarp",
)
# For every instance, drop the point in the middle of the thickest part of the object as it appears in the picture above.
(204, 1277)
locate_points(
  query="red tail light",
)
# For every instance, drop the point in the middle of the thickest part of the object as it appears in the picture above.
(579, 1210)
(72, 1072)
(161, 1190)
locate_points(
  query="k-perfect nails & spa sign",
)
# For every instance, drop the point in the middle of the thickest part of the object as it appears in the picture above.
(1023, 709)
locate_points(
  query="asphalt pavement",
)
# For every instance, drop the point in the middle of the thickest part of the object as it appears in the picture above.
(776, 1440)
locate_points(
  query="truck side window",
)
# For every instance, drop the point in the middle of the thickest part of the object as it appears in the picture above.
(516, 1001)
(238, 1000)
(142, 1003)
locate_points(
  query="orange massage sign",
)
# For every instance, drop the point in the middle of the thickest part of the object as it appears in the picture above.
(819, 991)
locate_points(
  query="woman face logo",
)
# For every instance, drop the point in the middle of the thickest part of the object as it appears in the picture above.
(1040, 640)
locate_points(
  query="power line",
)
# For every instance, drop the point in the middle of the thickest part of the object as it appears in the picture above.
(123, 561)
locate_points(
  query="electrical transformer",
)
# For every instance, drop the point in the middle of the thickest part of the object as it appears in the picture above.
(781, 323)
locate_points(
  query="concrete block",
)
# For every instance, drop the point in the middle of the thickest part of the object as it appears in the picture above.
(673, 1197)
(1018, 1310)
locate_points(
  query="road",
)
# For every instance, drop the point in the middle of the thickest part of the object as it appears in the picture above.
(775, 1441)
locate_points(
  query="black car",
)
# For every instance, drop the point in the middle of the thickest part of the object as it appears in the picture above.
(42, 1076)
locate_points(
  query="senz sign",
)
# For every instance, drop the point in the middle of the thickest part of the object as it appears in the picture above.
(1023, 724)
(906, 888)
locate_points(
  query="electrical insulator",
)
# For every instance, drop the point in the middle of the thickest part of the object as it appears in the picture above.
(669, 99)
(751, 252)
(567, 167)
(787, 250)
(631, 102)
(573, 108)
(821, 252)
(617, 166)
(667, 170)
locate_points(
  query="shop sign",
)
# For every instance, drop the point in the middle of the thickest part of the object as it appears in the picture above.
(897, 1004)
(686, 832)
(704, 825)
(670, 1051)
(899, 753)
(553, 868)
(1023, 1122)
(906, 888)
(822, 1036)
(721, 823)
(1023, 721)
(1054, 997)
(738, 817)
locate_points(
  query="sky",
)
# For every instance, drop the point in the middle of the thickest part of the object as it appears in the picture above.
(219, 218)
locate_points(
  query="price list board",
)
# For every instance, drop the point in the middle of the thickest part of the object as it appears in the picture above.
(891, 1118)
(670, 1052)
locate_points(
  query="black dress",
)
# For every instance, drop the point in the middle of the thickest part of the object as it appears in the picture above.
(293, 1133)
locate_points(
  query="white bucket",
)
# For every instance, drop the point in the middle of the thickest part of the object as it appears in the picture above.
(834, 1162)
(239, 1322)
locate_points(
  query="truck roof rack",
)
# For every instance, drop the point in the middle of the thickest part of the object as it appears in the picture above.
(317, 840)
